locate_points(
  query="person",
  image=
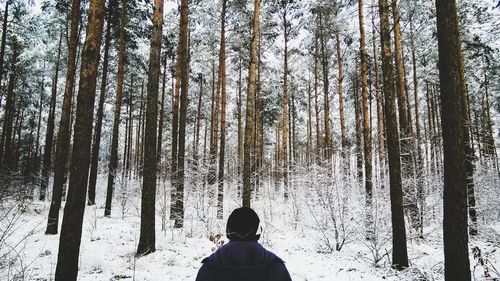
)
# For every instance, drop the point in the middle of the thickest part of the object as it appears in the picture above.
(243, 258)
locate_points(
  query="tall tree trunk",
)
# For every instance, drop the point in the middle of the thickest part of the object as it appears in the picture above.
(162, 114)
(452, 86)
(316, 94)
(380, 104)
(4, 41)
(367, 138)
(138, 137)
(309, 125)
(5, 142)
(285, 139)
(222, 75)
(49, 136)
(96, 143)
(358, 116)
(399, 251)
(419, 159)
(36, 158)
(196, 142)
(71, 230)
(326, 102)
(64, 135)
(214, 127)
(147, 237)
(175, 139)
(407, 168)
(240, 123)
(248, 156)
(113, 161)
(340, 60)
(184, 77)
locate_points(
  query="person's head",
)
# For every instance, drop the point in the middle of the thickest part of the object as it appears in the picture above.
(242, 225)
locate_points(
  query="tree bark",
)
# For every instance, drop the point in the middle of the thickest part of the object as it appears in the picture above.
(184, 88)
(71, 230)
(452, 86)
(96, 143)
(63, 136)
(326, 103)
(49, 136)
(147, 237)
(113, 162)
(248, 156)
(4, 41)
(367, 147)
(399, 252)
(222, 74)
(407, 167)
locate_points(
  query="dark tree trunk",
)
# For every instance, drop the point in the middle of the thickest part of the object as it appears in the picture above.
(162, 114)
(96, 143)
(367, 137)
(399, 251)
(452, 85)
(248, 153)
(71, 230)
(5, 142)
(175, 139)
(147, 236)
(49, 136)
(113, 162)
(4, 41)
(326, 103)
(184, 87)
(64, 135)
(222, 74)
(407, 147)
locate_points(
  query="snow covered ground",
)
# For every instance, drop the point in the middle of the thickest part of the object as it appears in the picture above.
(109, 244)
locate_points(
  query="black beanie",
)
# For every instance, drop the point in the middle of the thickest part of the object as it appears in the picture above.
(242, 225)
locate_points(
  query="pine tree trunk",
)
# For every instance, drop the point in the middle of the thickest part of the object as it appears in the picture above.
(452, 86)
(284, 139)
(326, 103)
(248, 156)
(419, 159)
(380, 105)
(175, 139)
(196, 144)
(407, 167)
(184, 88)
(214, 127)
(71, 229)
(113, 162)
(399, 252)
(63, 136)
(96, 143)
(343, 132)
(367, 138)
(147, 235)
(222, 67)
(159, 147)
(316, 94)
(5, 142)
(4, 41)
(49, 136)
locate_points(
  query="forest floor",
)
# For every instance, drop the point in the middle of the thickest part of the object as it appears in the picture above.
(109, 244)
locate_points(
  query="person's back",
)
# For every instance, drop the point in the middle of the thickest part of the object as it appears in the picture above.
(243, 258)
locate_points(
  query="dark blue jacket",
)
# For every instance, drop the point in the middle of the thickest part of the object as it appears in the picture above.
(243, 261)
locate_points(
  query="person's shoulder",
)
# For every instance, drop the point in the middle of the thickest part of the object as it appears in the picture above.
(204, 272)
(279, 270)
